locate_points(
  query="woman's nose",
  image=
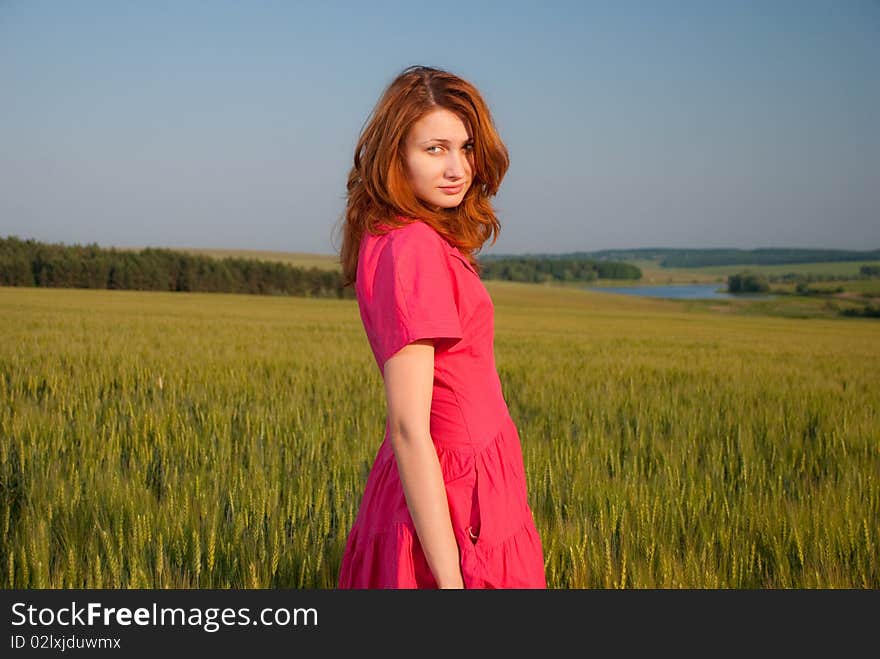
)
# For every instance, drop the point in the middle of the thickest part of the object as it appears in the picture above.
(456, 166)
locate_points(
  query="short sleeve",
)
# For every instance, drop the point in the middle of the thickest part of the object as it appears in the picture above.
(414, 293)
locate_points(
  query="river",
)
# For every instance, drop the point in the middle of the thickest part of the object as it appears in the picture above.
(681, 292)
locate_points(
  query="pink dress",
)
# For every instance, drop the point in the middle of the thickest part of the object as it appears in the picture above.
(413, 284)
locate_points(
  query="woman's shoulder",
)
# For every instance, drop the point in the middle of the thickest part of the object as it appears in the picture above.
(408, 228)
(413, 234)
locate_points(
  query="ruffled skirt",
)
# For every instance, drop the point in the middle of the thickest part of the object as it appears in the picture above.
(499, 545)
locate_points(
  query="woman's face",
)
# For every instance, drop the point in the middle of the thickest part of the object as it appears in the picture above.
(439, 158)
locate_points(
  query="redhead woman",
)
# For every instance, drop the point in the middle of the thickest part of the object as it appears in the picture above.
(445, 503)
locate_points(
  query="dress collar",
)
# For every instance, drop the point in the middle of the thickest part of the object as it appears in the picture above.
(452, 249)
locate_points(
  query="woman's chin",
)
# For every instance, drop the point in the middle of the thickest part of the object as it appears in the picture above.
(449, 201)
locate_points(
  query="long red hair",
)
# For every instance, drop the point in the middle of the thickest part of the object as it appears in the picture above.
(378, 190)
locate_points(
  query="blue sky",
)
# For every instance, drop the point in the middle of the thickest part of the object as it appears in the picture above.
(629, 124)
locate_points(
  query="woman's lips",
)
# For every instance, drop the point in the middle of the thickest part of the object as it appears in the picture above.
(452, 190)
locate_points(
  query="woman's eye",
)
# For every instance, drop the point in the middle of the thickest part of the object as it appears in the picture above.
(466, 146)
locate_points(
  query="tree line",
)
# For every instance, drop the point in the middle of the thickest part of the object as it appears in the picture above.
(34, 263)
(539, 270)
(697, 258)
(747, 282)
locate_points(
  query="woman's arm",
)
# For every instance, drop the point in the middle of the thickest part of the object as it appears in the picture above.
(409, 383)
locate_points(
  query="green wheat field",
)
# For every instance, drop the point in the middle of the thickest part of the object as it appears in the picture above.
(173, 440)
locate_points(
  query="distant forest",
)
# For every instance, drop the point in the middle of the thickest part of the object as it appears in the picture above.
(32, 263)
(539, 270)
(698, 258)
(774, 256)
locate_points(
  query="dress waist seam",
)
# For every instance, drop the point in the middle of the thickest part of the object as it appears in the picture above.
(471, 446)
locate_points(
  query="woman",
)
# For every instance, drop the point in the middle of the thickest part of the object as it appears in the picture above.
(445, 504)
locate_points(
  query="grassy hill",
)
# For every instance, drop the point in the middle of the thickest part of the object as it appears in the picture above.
(855, 294)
